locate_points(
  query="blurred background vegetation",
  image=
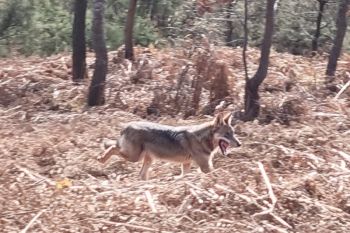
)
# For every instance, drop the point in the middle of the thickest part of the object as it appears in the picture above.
(44, 27)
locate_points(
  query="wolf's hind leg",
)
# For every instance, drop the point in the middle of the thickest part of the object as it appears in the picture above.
(112, 150)
(147, 162)
(130, 150)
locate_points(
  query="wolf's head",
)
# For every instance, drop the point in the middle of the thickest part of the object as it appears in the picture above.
(223, 132)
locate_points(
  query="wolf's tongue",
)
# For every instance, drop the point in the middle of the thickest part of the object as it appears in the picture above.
(223, 145)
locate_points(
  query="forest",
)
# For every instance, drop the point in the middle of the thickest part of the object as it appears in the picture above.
(74, 73)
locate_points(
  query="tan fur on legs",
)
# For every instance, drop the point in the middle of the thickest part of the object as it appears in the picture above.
(185, 168)
(204, 162)
(147, 162)
(112, 150)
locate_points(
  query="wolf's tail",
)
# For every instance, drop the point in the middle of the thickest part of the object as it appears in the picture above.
(108, 143)
(112, 147)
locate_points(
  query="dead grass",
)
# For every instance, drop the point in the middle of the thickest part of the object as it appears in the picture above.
(291, 175)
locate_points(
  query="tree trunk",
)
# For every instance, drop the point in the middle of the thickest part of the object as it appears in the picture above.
(245, 40)
(230, 27)
(251, 99)
(322, 3)
(97, 86)
(338, 40)
(129, 26)
(79, 44)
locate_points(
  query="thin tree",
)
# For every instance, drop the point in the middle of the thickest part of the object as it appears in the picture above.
(245, 40)
(321, 5)
(79, 44)
(251, 98)
(338, 40)
(230, 26)
(97, 86)
(129, 27)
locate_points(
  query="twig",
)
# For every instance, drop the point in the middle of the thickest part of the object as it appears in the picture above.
(268, 185)
(185, 203)
(32, 221)
(345, 173)
(250, 200)
(150, 201)
(276, 228)
(343, 155)
(342, 90)
(34, 176)
(125, 225)
(272, 197)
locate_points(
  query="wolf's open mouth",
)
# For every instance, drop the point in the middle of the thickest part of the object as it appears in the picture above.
(223, 146)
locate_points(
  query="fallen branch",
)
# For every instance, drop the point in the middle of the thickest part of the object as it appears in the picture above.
(35, 176)
(268, 185)
(150, 201)
(32, 221)
(125, 225)
(272, 197)
(342, 90)
(343, 155)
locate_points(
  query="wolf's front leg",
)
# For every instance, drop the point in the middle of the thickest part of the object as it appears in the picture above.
(204, 162)
(185, 168)
(147, 162)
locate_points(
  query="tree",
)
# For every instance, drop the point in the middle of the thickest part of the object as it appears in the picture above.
(230, 26)
(339, 38)
(97, 86)
(129, 27)
(251, 98)
(79, 44)
(321, 4)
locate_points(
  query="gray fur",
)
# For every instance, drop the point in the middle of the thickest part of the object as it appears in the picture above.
(148, 141)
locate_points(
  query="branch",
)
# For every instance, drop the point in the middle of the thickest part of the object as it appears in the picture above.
(32, 221)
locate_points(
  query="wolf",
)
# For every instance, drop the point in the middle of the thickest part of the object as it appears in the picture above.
(149, 141)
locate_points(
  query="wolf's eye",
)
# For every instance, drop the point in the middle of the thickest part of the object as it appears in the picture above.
(227, 135)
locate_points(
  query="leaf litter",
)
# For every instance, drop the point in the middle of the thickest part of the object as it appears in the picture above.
(292, 173)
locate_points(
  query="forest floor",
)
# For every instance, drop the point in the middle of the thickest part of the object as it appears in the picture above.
(292, 173)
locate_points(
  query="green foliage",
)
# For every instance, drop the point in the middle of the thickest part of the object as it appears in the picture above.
(40, 26)
(44, 27)
(295, 24)
(144, 31)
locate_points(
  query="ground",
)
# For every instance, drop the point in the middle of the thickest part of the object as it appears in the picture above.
(290, 175)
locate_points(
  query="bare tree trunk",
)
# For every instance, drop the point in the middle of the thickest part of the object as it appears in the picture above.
(97, 86)
(79, 44)
(229, 32)
(129, 27)
(322, 3)
(251, 98)
(339, 38)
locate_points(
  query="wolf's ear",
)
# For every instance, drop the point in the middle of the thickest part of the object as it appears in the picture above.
(227, 119)
(219, 119)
